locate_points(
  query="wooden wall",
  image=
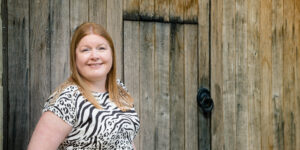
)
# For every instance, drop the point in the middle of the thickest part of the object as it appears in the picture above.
(248, 54)
(255, 74)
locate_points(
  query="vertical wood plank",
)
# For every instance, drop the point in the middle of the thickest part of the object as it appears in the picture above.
(191, 11)
(131, 65)
(39, 59)
(18, 71)
(147, 101)
(241, 75)
(161, 72)
(97, 11)
(297, 90)
(204, 137)
(254, 86)
(217, 124)
(115, 29)
(4, 23)
(78, 14)
(60, 39)
(131, 9)
(191, 108)
(161, 10)
(2, 65)
(229, 69)
(289, 69)
(176, 87)
(277, 74)
(147, 9)
(266, 73)
(177, 11)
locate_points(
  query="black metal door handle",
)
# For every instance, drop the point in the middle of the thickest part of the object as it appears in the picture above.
(204, 100)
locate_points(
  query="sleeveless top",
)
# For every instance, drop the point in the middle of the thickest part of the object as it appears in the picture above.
(108, 128)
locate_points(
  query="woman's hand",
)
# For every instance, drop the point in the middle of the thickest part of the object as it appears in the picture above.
(49, 133)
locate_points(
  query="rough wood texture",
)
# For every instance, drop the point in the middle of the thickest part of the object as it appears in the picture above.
(229, 78)
(131, 9)
(131, 64)
(97, 11)
(115, 29)
(204, 136)
(266, 74)
(277, 74)
(241, 75)
(191, 11)
(39, 60)
(79, 13)
(1, 83)
(18, 71)
(60, 39)
(176, 87)
(289, 59)
(4, 35)
(161, 73)
(147, 9)
(177, 11)
(191, 83)
(297, 89)
(254, 88)
(161, 10)
(147, 106)
(217, 124)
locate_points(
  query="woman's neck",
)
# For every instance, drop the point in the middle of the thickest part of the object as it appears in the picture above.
(96, 86)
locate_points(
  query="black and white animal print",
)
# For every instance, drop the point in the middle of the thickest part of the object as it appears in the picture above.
(108, 128)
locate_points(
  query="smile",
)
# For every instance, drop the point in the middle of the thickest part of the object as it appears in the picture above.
(96, 65)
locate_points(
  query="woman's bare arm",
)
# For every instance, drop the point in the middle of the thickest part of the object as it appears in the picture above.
(49, 133)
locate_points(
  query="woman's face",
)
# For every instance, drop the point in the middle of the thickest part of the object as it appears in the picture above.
(93, 58)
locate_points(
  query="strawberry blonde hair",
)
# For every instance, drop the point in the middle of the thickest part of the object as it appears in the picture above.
(116, 93)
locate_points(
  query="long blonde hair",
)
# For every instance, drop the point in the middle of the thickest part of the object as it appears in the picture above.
(116, 93)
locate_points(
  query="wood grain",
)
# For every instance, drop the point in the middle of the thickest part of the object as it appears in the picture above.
(131, 9)
(217, 122)
(39, 54)
(191, 11)
(176, 87)
(241, 75)
(191, 83)
(161, 81)
(161, 10)
(177, 11)
(277, 74)
(131, 65)
(115, 29)
(147, 106)
(204, 123)
(18, 71)
(254, 75)
(229, 71)
(60, 39)
(289, 59)
(97, 11)
(147, 9)
(79, 13)
(297, 89)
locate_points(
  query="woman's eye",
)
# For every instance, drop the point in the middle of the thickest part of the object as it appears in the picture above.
(101, 48)
(84, 50)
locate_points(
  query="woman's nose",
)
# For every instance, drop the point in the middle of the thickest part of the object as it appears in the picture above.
(95, 54)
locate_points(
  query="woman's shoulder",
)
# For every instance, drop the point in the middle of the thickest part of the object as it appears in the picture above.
(67, 91)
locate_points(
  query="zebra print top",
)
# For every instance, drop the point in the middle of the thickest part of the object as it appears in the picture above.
(109, 128)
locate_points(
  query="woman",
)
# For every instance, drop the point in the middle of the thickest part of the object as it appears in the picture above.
(91, 110)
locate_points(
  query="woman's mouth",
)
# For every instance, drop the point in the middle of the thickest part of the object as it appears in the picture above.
(95, 65)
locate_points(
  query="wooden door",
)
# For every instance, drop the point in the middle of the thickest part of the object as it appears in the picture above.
(160, 71)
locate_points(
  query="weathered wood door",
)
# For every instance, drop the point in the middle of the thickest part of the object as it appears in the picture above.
(160, 71)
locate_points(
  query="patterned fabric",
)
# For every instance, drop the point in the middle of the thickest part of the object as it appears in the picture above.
(108, 128)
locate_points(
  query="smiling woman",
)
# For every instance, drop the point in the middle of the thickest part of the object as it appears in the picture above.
(91, 110)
